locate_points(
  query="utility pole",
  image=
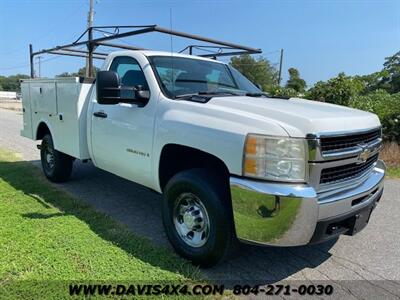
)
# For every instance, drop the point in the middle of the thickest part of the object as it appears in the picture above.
(89, 59)
(31, 61)
(280, 68)
(39, 63)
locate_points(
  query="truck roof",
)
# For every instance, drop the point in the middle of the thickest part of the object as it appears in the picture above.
(162, 53)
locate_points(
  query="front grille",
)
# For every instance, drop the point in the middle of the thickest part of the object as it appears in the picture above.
(350, 171)
(333, 143)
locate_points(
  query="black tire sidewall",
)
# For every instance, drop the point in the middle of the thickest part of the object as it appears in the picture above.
(62, 169)
(47, 141)
(203, 185)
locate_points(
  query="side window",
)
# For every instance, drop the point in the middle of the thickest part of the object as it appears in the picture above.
(129, 72)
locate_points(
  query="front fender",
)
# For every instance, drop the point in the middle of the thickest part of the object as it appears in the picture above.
(224, 144)
(213, 129)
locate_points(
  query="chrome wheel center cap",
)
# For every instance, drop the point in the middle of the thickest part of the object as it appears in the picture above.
(189, 220)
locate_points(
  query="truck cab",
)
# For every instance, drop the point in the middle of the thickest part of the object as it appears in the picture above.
(233, 163)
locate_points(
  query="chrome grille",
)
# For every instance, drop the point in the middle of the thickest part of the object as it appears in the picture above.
(346, 172)
(335, 143)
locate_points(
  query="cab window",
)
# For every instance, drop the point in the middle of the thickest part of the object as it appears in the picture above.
(129, 72)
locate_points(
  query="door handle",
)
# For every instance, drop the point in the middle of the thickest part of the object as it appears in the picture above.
(100, 114)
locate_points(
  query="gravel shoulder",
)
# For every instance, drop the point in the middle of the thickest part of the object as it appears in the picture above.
(11, 104)
(372, 258)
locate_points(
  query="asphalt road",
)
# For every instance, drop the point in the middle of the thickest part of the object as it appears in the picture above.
(359, 267)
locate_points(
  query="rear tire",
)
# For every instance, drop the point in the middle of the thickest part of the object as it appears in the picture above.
(197, 217)
(56, 165)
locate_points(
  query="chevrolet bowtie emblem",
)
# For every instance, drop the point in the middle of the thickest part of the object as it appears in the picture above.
(364, 155)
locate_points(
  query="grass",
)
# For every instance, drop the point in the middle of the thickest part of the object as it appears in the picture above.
(47, 236)
(393, 172)
(391, 155)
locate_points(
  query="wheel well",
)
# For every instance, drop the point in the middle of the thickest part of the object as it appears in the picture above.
(176, 158)
(42, 131)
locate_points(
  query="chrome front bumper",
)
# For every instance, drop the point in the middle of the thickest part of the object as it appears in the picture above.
(287, 214)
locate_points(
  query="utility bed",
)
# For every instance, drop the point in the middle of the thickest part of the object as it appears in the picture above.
(61, 103)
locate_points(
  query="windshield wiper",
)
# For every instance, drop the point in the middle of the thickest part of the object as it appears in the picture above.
(265, 95)
(219, 93)
(205, 95)
(187, 95)
(196, 97)
(257, 94)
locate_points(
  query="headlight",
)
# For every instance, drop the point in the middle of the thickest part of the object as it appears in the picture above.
(275, 158)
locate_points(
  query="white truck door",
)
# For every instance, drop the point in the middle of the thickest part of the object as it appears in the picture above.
(122, 134)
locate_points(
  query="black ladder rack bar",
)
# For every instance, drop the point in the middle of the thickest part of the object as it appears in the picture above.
(204, 39)
(93, 43)
(120, 46)
(85, 52)
(77, 54)
(215, 55)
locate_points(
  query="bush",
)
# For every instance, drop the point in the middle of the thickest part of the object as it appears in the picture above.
(282, 92)
(386, 106)
(337, 90)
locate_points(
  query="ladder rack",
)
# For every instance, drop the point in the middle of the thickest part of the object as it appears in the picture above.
(93, 43)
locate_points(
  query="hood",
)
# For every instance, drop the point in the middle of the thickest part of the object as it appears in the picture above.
(298, 117)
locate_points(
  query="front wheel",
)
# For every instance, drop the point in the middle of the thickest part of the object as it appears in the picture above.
(56, 165)
(197, 217)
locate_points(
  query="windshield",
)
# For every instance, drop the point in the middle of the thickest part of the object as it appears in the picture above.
(180, 76)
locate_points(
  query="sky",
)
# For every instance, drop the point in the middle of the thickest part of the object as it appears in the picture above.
(319, 38)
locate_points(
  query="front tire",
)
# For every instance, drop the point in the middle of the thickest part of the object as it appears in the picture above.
(197, 217)
(56, 165)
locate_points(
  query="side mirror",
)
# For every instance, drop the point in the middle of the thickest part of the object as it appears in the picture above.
(108, 87)
(109, 90)
(141, 93)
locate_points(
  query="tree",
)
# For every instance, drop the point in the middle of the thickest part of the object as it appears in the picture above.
(295, 82)
(81, 72)
(65, 74)
(258, 71)
(337, 90)
(386, 106)
(373, 81)
(284, 92)
(1, 82)
(12, 83)
(392, 78)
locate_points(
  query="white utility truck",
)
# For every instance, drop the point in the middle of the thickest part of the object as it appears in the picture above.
(231, 162)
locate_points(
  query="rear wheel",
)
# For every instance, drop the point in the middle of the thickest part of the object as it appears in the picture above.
(197, 218)
(56, 165)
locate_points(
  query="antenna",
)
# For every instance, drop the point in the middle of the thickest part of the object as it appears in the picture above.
(170, 27)
(172, 59)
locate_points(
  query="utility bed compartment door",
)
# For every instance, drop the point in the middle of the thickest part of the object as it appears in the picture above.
(44, 97)
(60, 103)
(72, 103)
(27, 130)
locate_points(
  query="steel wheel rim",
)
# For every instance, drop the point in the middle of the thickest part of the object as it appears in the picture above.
(49, 157)
(191, 220)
